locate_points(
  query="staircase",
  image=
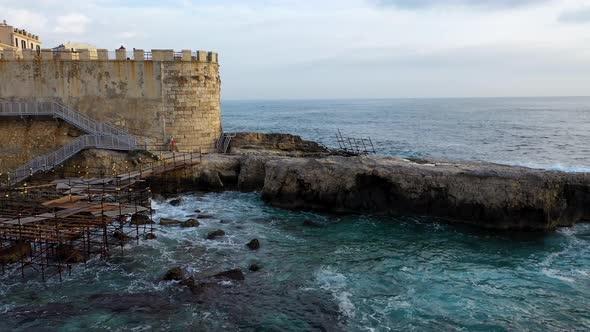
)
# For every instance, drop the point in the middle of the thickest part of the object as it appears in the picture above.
(223, 142)
(100, 135)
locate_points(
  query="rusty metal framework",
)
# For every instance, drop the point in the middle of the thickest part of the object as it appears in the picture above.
(354, 145)
(68, 215)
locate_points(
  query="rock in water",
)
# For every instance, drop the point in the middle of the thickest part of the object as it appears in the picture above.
(140, 219)
(311, 224)
(68, 254)
(176, 202)
(254, 267)
(122, 237)
(15, 253)
(234, 274)
(254, 244)
(174, 273)
(190, 223)
(215, 234)
(205, 216)
(169, 222)
(150, 236)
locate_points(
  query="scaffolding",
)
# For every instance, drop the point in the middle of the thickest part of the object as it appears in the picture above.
(354, 146)
(67, 215)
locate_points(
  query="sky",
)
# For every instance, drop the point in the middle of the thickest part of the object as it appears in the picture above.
(308, 49)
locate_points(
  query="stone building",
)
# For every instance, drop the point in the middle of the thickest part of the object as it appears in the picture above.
(157, 95)
(79, 47)
(18, 39)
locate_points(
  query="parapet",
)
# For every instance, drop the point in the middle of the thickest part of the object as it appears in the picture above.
(106, 55)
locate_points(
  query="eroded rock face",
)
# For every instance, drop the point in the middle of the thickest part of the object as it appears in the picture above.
(487, 195)
(269, 143)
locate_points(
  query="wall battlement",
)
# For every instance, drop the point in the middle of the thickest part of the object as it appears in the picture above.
(159, 94)
(106, 55)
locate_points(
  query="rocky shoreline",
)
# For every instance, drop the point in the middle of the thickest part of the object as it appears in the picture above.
(296, 174)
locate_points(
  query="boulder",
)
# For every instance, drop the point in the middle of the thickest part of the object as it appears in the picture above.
(68, 254)
(254, 244)
(140, 219)
(215, 234)
(15, 253)
(311, 224)
(150, 236)
(233, 274)
(190, 223)
(169, 222)
(174, 273)
(176, 202)
(121, 236)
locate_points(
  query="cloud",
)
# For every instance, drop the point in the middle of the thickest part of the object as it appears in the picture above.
(576, 16)
(72, 23)
(24, 19)
(416, 4)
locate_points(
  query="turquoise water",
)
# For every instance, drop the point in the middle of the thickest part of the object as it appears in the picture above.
(355, 273)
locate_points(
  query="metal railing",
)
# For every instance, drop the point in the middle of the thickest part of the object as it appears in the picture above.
(67, 151)
(100, 135)
(223, 142)
(67, 114)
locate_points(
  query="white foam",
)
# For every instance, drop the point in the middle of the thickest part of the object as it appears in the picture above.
(551, 273)
(555, 167)
(336, 283)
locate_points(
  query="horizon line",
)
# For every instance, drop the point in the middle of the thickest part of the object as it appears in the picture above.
(396, 98)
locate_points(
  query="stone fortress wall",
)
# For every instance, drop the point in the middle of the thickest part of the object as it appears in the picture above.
(158, 94)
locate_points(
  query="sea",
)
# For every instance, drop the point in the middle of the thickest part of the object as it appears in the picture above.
(353, 272)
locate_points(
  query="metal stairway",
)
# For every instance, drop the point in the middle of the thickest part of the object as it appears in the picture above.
(223, 142)
(100, 135)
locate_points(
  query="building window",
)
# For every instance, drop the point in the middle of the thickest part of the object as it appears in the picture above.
(23, 44)
(32, 47)
(38, 48)
(16, 42)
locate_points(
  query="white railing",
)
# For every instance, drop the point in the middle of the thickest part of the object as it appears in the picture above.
(100, 135)
(222, 144)
(57, 157)
(67, 114)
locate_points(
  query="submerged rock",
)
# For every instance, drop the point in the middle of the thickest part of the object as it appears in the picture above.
(215, 234)
(190, 223)
(140, 219)
(121, 236)
(254, 267)
(174, 273)
(169, 222)
(311, 224)
(254, 244)
(233, 274)
(68, 254)
(176, 202)
(205, 216)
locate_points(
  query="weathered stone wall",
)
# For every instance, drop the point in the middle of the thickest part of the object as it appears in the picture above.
(24, 139)
(158, 99)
